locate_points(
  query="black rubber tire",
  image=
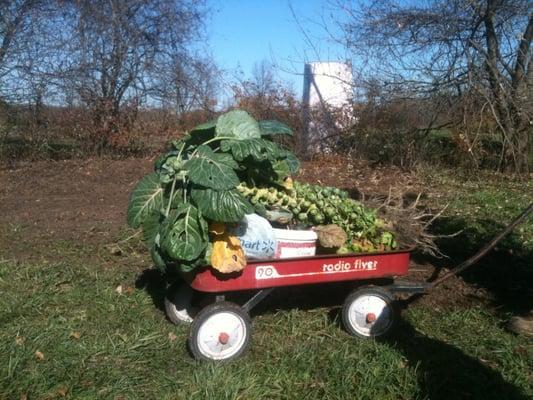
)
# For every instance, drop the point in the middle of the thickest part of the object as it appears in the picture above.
(376, 291)
(204, 315)
(177, 301)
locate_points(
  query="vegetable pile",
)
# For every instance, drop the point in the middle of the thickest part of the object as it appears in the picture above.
(313, 205)
(225, 169)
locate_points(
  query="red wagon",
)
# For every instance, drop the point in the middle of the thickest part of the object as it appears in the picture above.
(221, 330)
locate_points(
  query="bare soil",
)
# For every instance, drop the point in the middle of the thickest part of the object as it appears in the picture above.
(84, 202)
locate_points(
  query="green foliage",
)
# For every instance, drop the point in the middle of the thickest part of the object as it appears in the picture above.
(150, 227)
(212, 170)
(237, 124)
(227, 205)
(195, 183)
(258, 149)
(273, 127)
(146, 197)
(184, 234)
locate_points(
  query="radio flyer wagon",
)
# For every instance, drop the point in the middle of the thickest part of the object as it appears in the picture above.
(221, 330)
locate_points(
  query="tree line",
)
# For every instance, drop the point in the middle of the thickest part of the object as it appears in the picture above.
(107, 57)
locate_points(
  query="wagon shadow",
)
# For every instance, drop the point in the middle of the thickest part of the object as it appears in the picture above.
(446, 372)
(154, 282)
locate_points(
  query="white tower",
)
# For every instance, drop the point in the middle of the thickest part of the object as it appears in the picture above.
(328, 91)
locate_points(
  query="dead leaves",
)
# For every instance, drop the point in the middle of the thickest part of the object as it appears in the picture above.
(120, 289)
(39, 355)
(75, 335)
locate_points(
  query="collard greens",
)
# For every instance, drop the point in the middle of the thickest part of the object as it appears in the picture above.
(195, 183)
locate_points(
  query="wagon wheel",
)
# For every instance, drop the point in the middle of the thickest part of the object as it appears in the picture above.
(178, 304)
(369, 312)
(221, 331)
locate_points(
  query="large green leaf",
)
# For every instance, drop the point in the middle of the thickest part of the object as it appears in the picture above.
(258, 149)
(150, 227)
(184, 234)
(200, 134)
(238, 124)
(146, 197)
(291, 160)
(213, 170)
(281, 169)
(273, 127)
(221, 206)
(157, 257)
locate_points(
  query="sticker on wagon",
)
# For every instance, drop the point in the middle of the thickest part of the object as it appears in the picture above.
(270, 272)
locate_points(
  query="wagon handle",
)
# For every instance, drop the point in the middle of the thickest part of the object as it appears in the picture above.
(481, 253)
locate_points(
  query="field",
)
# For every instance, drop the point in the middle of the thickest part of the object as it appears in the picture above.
(81, 309)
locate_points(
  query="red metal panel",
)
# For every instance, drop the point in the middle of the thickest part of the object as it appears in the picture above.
(301, 271)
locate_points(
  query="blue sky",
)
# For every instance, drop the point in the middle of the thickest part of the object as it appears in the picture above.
(243, 33)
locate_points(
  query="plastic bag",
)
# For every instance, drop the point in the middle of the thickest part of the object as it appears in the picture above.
(257, 237)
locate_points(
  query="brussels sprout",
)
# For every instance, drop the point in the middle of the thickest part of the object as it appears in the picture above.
(311, 197)
(330, 212)
(318, 218)
(302, 217)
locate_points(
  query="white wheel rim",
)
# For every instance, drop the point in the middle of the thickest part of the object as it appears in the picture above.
(370, 315)
(181, 304)
(222, 335)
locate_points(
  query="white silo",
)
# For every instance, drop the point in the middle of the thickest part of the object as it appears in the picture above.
(328, 93)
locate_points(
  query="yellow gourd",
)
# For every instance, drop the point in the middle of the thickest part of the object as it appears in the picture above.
(227, 255)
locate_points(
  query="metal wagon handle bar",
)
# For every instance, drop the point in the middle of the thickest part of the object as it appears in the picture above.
(481, 253)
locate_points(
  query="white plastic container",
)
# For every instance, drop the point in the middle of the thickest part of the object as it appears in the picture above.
(295, 243)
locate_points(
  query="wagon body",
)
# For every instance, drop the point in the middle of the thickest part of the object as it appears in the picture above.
(302, 270)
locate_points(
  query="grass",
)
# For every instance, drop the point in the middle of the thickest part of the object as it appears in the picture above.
(65, 332)
(484, 202)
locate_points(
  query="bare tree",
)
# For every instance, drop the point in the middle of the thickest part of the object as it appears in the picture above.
(186, 83)
(115, 45)
(16, 24)
(464, 52)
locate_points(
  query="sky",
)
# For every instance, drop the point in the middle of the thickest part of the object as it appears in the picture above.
(243, 33)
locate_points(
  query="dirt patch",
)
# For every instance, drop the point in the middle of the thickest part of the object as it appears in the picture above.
(73, 200)
(452, 293)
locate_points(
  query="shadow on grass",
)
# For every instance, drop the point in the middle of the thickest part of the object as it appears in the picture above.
(154, 282)
(445, 372)
(506, 272)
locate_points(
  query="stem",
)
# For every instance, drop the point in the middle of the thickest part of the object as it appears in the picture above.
(171, 195)
(211, 141)
(181, 150)
(218, 138)
(184, 190)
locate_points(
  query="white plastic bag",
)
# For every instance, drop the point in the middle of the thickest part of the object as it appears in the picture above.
(257, 237)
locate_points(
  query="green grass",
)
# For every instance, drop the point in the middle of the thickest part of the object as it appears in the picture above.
(482, 204)
(98, 343)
